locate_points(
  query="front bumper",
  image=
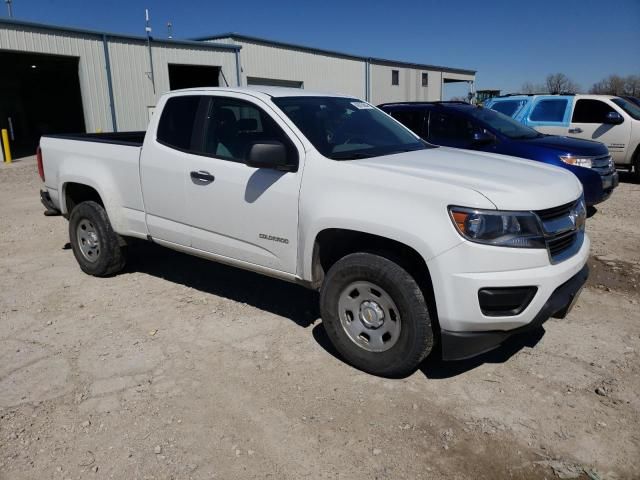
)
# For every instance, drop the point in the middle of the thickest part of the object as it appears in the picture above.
(462, 345)
(609, 183)
(459, 275)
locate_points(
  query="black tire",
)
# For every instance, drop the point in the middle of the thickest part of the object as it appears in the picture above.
(636, 166)
(415, 340)
(109, 257)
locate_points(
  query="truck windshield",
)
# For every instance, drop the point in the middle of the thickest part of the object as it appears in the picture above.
(505, 125)
(628, 107)
(347, 128)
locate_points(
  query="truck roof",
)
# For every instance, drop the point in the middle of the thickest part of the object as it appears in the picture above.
(265, 90)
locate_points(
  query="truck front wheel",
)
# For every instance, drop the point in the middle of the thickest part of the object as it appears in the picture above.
(95, 245)
(375, 314)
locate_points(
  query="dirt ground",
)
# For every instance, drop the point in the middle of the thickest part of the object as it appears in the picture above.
(182, 368)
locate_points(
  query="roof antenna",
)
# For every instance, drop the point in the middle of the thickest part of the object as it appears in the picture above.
(170, 30)
(9, 7)
(147, 29)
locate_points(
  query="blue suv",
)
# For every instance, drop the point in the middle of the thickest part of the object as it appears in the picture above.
(461, 125)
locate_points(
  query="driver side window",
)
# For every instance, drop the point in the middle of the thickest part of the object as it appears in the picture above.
(590, 111)
(450, 130)
(232, 126)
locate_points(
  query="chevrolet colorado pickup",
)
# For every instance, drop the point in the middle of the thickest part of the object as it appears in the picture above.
(409, 244)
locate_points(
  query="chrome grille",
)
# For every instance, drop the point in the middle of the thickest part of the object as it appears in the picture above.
(557, 245)
(555, 212)
(563, 234)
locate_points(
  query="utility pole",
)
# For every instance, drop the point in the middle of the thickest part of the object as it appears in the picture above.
(9, 7)
(147, 29)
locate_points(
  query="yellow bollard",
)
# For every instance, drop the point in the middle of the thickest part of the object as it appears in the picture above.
(5, 144)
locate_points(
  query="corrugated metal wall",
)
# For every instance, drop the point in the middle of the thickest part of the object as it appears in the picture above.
(129, 58)
(336, 74)
(409, 86)
(316, 71)
(133, 89)
(92, 72)
(131, 79)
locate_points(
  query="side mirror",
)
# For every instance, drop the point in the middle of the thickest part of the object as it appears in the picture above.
(613, 118)
(268, 154)
(482, 138)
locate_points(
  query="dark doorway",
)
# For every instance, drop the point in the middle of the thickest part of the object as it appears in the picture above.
(192, 76)
(39, 94)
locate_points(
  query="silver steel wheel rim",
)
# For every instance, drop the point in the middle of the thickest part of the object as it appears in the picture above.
(88, 240)
(369, 316)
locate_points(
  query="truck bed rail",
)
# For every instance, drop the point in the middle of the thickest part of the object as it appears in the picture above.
(134, 139)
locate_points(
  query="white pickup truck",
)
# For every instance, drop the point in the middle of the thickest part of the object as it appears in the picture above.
(410, 245)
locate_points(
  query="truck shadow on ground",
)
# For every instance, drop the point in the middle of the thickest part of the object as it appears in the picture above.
(288, 300)
(294, 302)
(435, 368)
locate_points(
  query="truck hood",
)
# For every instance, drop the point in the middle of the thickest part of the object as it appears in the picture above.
(575, 146)
(509, 183)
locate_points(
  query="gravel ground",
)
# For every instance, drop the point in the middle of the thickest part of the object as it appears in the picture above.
(181, 368)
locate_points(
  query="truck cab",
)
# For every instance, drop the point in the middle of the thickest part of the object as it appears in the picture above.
(612, 120)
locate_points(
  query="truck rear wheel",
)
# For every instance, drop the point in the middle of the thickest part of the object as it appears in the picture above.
(95, 245)
(375, 314)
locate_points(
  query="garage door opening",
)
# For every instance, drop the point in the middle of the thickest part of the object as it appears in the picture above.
(273, 82)
(39, 94)
(193, 76)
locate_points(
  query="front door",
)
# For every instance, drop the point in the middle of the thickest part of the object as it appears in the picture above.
(239, 212)
(587, 122)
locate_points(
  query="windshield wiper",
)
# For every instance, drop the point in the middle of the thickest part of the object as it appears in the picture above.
(526, 137)
(351, 156)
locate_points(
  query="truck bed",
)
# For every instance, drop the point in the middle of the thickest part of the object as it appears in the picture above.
(133, 139)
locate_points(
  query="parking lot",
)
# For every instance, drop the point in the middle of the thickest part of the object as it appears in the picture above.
(181, 368)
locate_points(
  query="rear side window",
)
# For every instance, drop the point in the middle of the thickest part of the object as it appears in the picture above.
(508, 107)
(412, 119)
(551, 110)
(590, 111)
(176, 126)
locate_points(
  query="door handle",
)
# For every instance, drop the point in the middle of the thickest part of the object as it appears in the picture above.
(202, 177)
(575, 130)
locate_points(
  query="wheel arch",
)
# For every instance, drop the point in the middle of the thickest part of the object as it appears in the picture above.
(74, 193)
(332, 244)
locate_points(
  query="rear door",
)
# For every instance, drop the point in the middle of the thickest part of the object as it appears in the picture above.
(587, 122)
(239, 212)
(550, 114)
(164, 167)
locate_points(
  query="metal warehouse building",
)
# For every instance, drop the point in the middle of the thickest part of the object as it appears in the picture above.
(377, 80)
(64, 80)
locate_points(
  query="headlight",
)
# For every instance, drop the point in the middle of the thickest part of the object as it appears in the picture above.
(492, 227)
(577, 161)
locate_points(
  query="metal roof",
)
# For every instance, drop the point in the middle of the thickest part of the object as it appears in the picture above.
(277, 43)
(95, 33)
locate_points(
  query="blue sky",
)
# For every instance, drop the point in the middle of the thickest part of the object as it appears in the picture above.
(508, 42)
